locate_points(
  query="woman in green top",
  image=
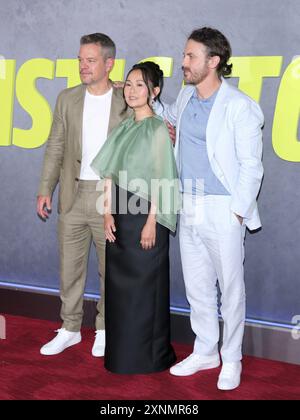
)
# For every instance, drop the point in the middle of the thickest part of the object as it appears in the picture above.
(138, 165)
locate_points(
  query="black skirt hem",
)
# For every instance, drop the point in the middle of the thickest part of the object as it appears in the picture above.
(141, 371)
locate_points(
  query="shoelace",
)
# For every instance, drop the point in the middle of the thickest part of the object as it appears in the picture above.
(191, 356)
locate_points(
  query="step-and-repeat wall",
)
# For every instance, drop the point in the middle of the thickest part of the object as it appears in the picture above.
(38, 48)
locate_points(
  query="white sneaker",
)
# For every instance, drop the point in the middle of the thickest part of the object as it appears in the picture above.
(194, 363)
(99, 344)
(63, 340)
(230, 376)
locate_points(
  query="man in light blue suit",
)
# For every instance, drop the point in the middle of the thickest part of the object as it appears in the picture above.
(218, 151)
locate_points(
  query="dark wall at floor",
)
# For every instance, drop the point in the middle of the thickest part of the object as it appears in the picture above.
(267, 30)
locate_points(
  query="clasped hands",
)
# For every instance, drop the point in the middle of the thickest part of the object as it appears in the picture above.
(148, 234)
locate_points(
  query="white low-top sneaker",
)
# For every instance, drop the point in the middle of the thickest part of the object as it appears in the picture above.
(99, 344)
(194, 363)
(63, 340)
(230, 376)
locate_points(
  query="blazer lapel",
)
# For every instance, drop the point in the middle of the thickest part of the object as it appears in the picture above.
(215, 120)
(78, 118)
(188, 93)
(117, 106)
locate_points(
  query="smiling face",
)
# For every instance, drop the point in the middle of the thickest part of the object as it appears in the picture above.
(136, 91)
(197, 65)
(93, 66)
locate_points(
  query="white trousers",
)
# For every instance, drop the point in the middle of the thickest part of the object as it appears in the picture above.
(212, 248)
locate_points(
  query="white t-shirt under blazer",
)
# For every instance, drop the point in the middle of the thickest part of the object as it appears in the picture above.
(96, 113)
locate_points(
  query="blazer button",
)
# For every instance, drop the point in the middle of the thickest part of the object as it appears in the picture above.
(79, 161)
(77, 179)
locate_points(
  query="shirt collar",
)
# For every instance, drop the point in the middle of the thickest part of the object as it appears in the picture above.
(210, 99)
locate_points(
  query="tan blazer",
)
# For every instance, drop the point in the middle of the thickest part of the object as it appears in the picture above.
(62, 161)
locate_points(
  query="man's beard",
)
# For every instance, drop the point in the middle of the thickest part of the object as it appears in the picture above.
(197, 78)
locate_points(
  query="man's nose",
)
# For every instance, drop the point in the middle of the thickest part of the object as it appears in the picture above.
(83, 65)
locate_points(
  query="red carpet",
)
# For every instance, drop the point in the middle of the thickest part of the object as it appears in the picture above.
(75, 374)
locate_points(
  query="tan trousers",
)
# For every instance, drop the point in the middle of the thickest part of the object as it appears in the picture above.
(76, 231)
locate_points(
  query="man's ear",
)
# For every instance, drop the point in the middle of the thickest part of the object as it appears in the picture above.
(214, 62)
(109, 63)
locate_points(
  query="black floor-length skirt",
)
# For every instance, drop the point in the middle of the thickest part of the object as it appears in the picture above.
(137, 305)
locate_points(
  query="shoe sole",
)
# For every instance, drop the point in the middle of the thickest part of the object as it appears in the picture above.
(98, 355)
(228, 389)
(204, 367)
(45, 353)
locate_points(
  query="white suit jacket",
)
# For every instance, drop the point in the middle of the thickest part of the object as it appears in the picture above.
(234, 145)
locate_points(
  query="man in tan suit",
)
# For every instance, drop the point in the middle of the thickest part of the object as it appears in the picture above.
(83, 117)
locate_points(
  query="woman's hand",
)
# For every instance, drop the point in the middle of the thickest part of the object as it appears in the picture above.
(118, 84)
(109, 227)
(172, 132)
(148, 235)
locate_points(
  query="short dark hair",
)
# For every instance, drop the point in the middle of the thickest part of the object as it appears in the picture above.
(153, 77)
(216, 44)
(105, 42)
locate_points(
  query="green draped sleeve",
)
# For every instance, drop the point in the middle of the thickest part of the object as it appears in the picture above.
(138, 157)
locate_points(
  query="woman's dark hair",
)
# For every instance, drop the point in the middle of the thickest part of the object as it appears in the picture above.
(216, 44)
(153, 77)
